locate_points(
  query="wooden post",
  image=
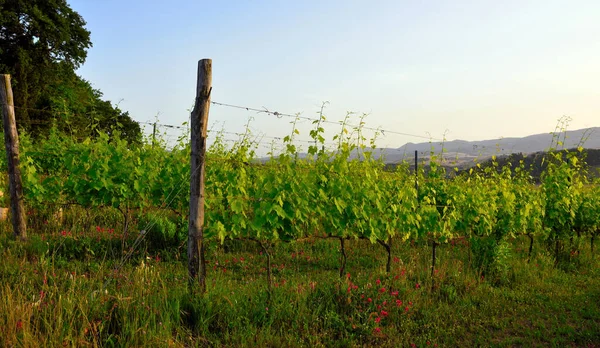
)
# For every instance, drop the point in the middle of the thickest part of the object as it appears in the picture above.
(154, 134)
(11, 142)
(199, 122)
(417, 173)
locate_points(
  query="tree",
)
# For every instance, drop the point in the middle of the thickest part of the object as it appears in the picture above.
(42, 43)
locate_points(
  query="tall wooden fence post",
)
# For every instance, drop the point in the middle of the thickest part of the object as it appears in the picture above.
(417, 174)
(199, 122)
(11, 141)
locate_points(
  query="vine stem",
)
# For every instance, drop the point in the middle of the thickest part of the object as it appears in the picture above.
(343, 257)
(530, 246)
(267, 255)
(434, 245)
(388, 249)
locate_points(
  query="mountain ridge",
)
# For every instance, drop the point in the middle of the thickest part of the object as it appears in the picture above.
(464, 150)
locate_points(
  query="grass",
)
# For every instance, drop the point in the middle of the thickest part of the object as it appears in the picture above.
(53, 292)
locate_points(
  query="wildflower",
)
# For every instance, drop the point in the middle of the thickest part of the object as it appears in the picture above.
(406, 309)
(378, 320)
(348, 275)
(19, 325)
(398, 303)
(394, 293)
(382, 290)
(417, 286)
(369, 300)
(396, 259)
(384, 313)
(377, 330)
(98, 229)
(378, 282)
(349, 289)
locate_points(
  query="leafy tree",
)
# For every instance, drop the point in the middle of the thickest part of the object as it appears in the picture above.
(42, 43)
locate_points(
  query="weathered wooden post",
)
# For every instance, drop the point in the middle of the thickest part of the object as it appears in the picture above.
(199, 122)
(11, 142)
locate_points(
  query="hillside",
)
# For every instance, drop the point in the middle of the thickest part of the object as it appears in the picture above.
(462, 151)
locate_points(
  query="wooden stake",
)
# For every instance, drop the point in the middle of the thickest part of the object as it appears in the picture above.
(11, 142)
(199, 122)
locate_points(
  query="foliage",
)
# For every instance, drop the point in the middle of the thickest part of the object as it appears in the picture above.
(42, 43)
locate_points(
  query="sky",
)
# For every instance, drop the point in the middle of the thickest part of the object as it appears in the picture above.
(470, 70)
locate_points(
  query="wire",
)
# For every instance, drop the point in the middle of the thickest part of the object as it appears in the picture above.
(297, 116)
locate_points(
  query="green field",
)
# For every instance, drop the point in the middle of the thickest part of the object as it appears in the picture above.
(55, 294)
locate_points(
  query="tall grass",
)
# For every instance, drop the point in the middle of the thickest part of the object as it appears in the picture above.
(50, 297)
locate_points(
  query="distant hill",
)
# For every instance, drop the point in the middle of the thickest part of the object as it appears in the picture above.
(461, 150)
(536, 164)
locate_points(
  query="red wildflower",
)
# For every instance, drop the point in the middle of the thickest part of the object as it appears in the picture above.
(19, 325)
(98, 229)
(377, 330)
(378, 282)
(384, 313)
(417, 286)
(382, 290)
(398, 303)
(377, 320)
(369, 300)
(394, 293)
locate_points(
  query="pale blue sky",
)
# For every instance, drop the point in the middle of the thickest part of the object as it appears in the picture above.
(479, 69)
